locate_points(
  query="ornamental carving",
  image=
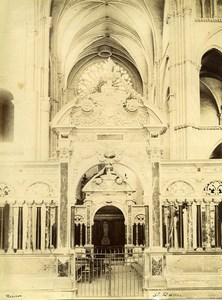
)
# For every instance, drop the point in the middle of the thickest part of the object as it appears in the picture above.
(101, 75)
(40, 189)
(213, 188)
(139, 219)
(110, 155)
(65, 152)
(179, 188)
(106, 98)
(79, 219)
(157, 266)
(107, 180)
(4, 190)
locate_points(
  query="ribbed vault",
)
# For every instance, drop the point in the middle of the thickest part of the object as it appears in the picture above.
(129, 28)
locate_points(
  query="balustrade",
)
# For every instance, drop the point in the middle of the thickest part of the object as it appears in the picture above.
(192, 224)
(28, 226)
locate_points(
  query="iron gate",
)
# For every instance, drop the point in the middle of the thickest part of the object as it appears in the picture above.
(109, 273)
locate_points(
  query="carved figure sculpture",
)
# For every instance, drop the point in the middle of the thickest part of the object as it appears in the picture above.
(105, 239)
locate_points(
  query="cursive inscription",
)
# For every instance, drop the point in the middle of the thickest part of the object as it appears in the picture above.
(13, 296)
(159, 295)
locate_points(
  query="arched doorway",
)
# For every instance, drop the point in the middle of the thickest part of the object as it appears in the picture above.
(108, 232)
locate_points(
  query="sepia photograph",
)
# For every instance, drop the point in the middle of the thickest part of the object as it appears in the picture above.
(110, 149)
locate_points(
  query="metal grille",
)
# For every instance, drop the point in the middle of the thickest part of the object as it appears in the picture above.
(109, 273)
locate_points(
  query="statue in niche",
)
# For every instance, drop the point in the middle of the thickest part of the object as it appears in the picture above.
(105, 239)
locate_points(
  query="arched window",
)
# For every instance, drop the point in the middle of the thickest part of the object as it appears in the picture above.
(217, 153)
(6, 117)
(210, 88)
(207, 9)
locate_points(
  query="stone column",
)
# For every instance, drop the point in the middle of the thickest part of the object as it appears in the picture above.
(181, 226)
(156, 205)
(48, 227)
(147, 226)
(212, 224)
(63, 204)
(130, 231)
(34, 226)
(44, 128)
(204, 227)
(194, 217)
(29, 113)
(175, 221)
(29, 241)
(15, 221)
(80, 234)
(189, 226)
(73, 226)
(215, 8)
(43, 64)
(184, 82)
(25, 222)
(10, 230)
(43, 227)
(208, 225)
(166, 223)
(216, 227)
(88, 222)
(64, 153)
(29, 106)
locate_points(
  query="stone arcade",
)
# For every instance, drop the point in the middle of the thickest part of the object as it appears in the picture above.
(110, 149)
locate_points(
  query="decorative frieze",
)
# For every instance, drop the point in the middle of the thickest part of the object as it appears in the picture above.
(207, 20)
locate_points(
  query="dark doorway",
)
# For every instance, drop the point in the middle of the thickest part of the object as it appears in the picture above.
(108, 232)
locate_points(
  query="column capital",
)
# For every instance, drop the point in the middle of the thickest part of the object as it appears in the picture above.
(64, 153)
(154, 153)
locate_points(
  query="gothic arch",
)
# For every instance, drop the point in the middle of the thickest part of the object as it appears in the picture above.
(208, 43)
(6, 116)
(215, 148)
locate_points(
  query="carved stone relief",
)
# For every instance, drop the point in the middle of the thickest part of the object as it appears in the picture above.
(179, 188)
(63, 267)
(139, 219)
(39, 189)
(65, 152)
(157, 265)
(107, 179)
(79, 219)
(106, 98)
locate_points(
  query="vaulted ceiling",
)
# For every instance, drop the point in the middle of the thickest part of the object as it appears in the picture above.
(129, 29)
